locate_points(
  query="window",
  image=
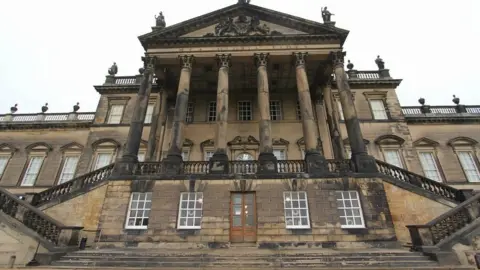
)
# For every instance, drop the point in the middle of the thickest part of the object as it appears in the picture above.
(32, 171)
(429, 166)
(299, 111)
(275, 110)
(279, 154)
(141, 156)
(393, 157)
(348, 152)
(149, 114)
(348, 203)
(207, 155)
(68, 169)
(469, 165)
(115, 115)
(190, 210)
(3, 163)
(378, 109)
(102, 160)
(185, 155)
(340, 110)
(296, 210)
(189, 116)
(212, 111)
(302, 152)
(139, 210)
(244, 111)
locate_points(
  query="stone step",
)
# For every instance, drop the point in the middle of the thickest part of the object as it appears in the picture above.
(254, 268)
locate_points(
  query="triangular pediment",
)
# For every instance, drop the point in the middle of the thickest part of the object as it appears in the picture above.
(243, 20)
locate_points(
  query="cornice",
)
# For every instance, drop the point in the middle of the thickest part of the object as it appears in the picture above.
(123, 88)
(43, 125)
(368, 83)
(457, 119)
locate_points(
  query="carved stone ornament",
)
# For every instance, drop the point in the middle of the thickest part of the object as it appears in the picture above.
(148, 64)
(300, 58)
(241, 26)
(186, 61)
(207, 143)
(380, 63)
(242, 140)
(187, 143)
(14, 109)
(113, 70)
(261, 59)
(338, 58)
(160, 20)
(223, 60)
(279, 141)
(243, 2)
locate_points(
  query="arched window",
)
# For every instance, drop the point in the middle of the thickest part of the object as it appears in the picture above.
(105, 153)
(427, 153)
(71, 156)
(6, 153)
(466, 150)
(391, 147)
(244, 157)
(37, 153)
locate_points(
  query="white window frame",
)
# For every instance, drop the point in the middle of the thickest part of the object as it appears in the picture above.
(28, 167)
(62, 178)
(427, 172)
(346, 206)
(3, 164)
(298, 111)
(185, 154)
(111, 119)
(282, 151)
(475, 171)
(142, 154)
(137, 199)
(241, 108)
(212, 111)
(399, 155)
(275, 110)
(378, 113)
(292, 212)
(208, 154)
(99, 152)
(191, 205)
(149, 113)
(190, 111)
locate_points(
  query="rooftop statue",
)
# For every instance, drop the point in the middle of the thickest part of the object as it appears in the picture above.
(113, 70)
(243, 2)
(160, 20)
(326, 15)
(380, 63)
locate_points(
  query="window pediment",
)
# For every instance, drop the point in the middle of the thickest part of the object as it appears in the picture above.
(104, 143)
(40, 146)
(425, 142)
(347, 142)
(187, 143)
(73, 146)
(389, 139)
(280, 141)
(244, 140)
(6, 147)
(462, 141)
(207, 144)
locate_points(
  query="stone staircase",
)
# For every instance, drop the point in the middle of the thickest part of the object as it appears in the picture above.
(248, 258)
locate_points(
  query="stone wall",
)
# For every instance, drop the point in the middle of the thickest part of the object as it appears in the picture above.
(408, 208)
(324, 216)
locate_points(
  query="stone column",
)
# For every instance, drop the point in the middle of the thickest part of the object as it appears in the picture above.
(323, 129)
(316, 163)
(267, 160)
(154, 127)
(176, 141)
(333, 124)
(162, 120)
(219, 161)
(130, 152)
(363, 162)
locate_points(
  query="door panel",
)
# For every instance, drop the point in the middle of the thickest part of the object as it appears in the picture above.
(243, 218)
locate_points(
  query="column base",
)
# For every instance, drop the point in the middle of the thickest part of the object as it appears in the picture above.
(316, 163)
(125, 165)
(267, 163)
(173, 163)
(218, 164)
(364, 163)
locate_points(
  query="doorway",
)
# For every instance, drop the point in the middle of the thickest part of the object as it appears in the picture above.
(243, 218)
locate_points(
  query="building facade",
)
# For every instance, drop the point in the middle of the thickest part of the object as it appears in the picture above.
(244, 126)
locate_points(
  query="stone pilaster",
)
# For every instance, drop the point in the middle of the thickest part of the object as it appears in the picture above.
(154, 126)
(333, 123)
(130, 152)
(363, 162)
(176, 142)
(219, 161)
(266, 158)
(316, 163)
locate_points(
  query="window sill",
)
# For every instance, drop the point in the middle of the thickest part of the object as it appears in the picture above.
(136, 227)
(353, 227)
(297, 227)
(189, 228)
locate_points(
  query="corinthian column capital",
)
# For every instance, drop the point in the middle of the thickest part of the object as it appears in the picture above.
(149, 63)
(186, 61)
(261, 59)
(300, 58)
(337, 58)
(223, 60)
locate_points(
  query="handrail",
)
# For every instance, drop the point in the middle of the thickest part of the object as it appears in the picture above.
(48, 228)
(69, 187)
(47, 117)
(417, 110)
(424, 183)
(440, 228)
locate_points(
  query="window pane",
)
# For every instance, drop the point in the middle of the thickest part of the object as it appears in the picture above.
(185, 155)
(244, 110)
(429, 166)
(3, 164)
(139, 212)
(103, 159)
(212, 111)
(68, 170)
(296, 210)
(190, 210)
(393, 157)
(141, 156)
(116, 112)
(349, 207)
(275, 110)
(189, 115)
(31, 173)
(378, 109)
(469, 166)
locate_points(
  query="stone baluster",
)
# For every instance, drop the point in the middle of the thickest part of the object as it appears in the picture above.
(130, 152)
(363, 162)
(333, 124)
(267, 160)
(174, 157)
(316, 162)
(219, 161)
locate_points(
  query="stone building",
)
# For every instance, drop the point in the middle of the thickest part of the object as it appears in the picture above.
(242, 127)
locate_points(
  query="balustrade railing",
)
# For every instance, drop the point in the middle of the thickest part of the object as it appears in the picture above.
(367, 74)
(439, 110)
(48, 228)
(422, 182)
(47, 117)
(125, 80)
(77, 183)
(439, 229)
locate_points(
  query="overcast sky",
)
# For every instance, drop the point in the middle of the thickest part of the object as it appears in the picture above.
(55, 50)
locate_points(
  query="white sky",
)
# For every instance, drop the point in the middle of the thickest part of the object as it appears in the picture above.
(55, 50)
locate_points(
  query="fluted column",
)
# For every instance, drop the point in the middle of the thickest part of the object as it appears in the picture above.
(333, 124)
(219, 161)
(363, 162)
(316, 163)
(176, 141)
(130, 152)
(267, 160)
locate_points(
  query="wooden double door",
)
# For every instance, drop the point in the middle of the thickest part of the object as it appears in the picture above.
(243, 217)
